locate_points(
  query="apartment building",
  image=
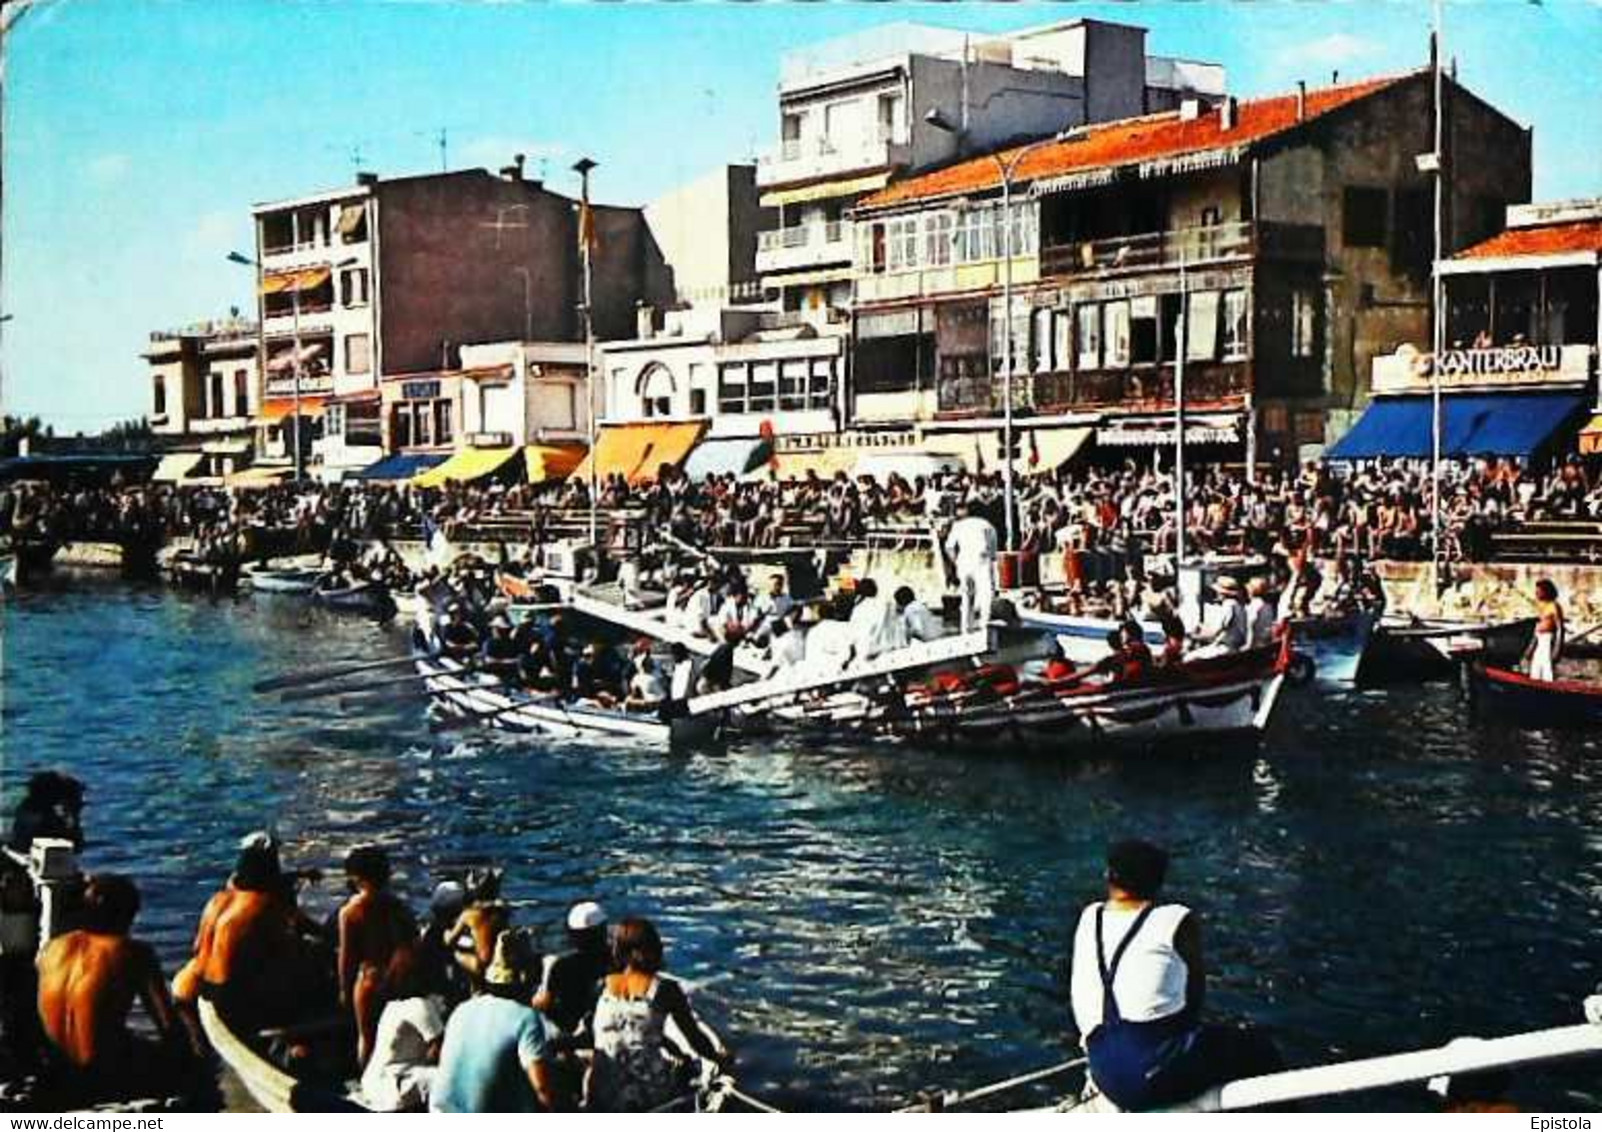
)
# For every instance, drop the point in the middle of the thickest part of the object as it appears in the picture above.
(1293, 231)
(853, 117)
(394, 275)
(204, 396)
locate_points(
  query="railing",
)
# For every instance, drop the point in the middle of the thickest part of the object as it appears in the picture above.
(801, 235)
(1205, 382)
(1192, 246)
(209, 328)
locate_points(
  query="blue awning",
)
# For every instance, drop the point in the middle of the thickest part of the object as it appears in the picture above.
(400, 466)
(725, 457)
(1472, 424)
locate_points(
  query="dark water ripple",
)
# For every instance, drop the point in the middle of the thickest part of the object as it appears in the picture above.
(1383, 872)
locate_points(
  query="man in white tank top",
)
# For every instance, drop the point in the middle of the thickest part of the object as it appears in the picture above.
(1137, 988)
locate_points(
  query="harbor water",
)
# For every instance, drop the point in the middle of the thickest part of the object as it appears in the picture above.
(1384, 871)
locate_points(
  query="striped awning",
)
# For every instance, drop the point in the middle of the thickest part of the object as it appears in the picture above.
(307, 279)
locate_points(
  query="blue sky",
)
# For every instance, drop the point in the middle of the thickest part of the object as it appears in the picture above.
(138, 133)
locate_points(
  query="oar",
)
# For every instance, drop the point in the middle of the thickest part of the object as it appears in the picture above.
(331, 673)
(298, 694)
(460, 718)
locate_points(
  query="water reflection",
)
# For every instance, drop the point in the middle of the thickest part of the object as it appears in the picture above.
(864, 923)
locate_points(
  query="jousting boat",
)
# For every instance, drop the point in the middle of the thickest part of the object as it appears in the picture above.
(1539, 703)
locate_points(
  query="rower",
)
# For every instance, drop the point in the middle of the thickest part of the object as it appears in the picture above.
(88, 981)
(1138, 983)
(772, 607)
(500, 651)
(1230, 633)
(472, 938)
(1131, 657)
(717, 673)
(1058, 667)
(592, 677)
(572, 980)
(373, 926)
(918, 621)
(459, 640)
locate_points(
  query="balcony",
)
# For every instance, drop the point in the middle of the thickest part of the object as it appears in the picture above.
(1194, 247)
(804, 245)
(805, 159)
(1151, 387)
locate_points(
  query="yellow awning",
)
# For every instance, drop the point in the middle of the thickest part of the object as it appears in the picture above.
(278, 408)
(1040, 450)
(636, 451)
(465, 466)
(1591, 436)
(175, 466)
(825, 191)
(257, 477)
(544, 462)
(306, 280)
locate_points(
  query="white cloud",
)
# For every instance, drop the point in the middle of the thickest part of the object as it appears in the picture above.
(109, 167)
(1332, 50)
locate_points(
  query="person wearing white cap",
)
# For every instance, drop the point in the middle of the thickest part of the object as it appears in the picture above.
(572, 981)
(1226, 631)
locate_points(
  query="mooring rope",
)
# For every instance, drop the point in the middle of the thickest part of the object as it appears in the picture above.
(952, 1100)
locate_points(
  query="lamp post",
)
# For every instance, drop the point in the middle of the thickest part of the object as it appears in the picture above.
(1007, 167)
(582, 167)
(294, 298)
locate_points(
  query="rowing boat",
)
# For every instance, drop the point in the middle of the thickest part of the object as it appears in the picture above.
(1414, 649)
(288, 580)
(1212, 697)
(370, 598)
(1547, 703)
(469, 693)
(1084, 639)
(1335, 644)
(270, 1086)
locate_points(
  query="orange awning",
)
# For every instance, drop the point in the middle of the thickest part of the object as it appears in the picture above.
(636, 451)
(545, 462)
(278, 408)
(306, 280)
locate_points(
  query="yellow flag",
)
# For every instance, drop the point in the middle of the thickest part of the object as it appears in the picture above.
(589, 239)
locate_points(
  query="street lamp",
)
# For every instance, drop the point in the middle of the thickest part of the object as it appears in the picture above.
(294, 298)
(1007, 168)
(582, 167)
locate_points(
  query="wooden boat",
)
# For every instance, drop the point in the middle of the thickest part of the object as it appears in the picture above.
(270, 1086)
(1542, 703)
(1335, 645)
(1414, 649)
(191, 571)
(286, 580)
(468, 693)
(1084, 639)
(1217, 696)
(370, 598)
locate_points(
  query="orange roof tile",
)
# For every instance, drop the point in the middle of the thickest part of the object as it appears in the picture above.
(1547, 239)
(1130, 141)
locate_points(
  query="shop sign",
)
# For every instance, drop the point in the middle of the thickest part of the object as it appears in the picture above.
(419, 390)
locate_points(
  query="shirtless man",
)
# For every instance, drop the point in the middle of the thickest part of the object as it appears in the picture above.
(479, 925)
(373, 925)
(88, 980)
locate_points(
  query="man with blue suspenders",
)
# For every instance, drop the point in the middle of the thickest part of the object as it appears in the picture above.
(1137, 986)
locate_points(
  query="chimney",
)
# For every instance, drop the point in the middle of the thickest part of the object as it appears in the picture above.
(644, 320)
(514, 171)
(1190, 110)
(1228, 114)
(1301, 100)
(368, 179)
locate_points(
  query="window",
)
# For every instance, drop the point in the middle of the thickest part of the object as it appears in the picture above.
(937, 238)
(732, 388)
(353, 222)
(1144, 340)
(698, 402)
(1363, 217)
(353, 287)
(820, 393)
(241, 393)
(1022, 229)
(361, 424)
(871, 251)
(890, 117)
(1201, 326)
(1234, 325)
(1043, 340)
(903, 240)
(358, 353)
(1088, 318)
(214, 404)
(334, 421)
(442, 422)
(1276, 418)
(1302, 311)
(1063, 331)
(1117, 328)
(159, 398)
(400, 426)
(793, 384)
(763, 387)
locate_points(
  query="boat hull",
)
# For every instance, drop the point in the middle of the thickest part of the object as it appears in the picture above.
(1541, 703)
(283, 581)
(1336, 646)
(371, 600)
(1413, 652)
(272, 1088)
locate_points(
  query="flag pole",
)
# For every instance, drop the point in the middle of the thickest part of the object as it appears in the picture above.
(586, 247)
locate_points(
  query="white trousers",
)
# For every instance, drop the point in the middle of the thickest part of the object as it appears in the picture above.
(977, 585)
(1541, 663)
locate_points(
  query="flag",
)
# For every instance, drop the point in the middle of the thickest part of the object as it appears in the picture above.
(588, 240)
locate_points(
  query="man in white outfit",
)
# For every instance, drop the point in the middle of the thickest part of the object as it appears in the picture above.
(971, 545)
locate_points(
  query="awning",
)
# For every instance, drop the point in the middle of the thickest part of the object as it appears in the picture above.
(1040, 450)
(636, 451)
(356, 398)
(278, 408)
(466, 466)
(258, 477)
(350, 217)
(827, 190)
(731, 456)
(824, 462)
(545, 462)
(284, 360)
(308, 279)
(1591, 436)
(809, 278)
(175, 466)
(399, 466)
(1472, 424)
(1156, 433)
(226, 446)
(909, 464)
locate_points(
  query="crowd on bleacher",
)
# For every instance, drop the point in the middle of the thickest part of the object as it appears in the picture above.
(1379, 510)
